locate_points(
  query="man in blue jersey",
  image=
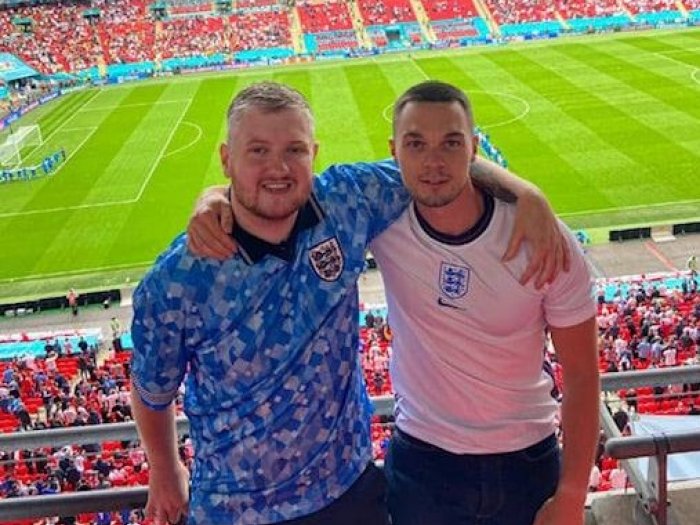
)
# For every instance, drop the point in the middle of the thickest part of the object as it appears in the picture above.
(268, 338)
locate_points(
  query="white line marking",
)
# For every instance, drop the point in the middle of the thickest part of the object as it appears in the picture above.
(79, 129)
(693, 73)
(134, 105)
(75, 113)
(161, 153)
(626, 208)
(80, 145)
(419, 68)
(76, 272)
(159, 157)
(520, 116)
(191, 143)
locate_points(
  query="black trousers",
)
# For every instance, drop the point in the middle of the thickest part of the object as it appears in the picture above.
(364, 503)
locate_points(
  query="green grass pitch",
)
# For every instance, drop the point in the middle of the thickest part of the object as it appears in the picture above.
(608, 127)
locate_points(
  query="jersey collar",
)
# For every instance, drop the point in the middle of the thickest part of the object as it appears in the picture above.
(253, 248)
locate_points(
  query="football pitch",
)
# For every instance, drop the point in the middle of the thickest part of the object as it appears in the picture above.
(607, 126)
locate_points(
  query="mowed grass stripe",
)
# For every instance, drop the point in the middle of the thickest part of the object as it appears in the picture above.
(363, 81)
(614, 126)
(62, 111)
(340, 128)
(168, 199)
(32, 236)
(77, 178)
(529, 153)
(96, 238)
(642, 105)
(129, 168)
(649, 100)
(639, 79)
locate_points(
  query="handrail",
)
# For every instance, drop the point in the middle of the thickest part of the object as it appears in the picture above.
(135, 497)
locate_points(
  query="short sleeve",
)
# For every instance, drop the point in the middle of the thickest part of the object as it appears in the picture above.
(569, 300)
(375, 189)
(159, 359)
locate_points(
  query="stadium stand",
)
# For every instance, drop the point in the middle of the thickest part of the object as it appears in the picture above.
(386, 12)
(449, 9)
(325, 17)
(267, 29)
(643, 323)
(506, 12)
(586, 9)
(454, 30)
(66, 37)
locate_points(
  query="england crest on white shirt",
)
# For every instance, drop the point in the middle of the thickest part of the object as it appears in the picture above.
(454, 280)
(327, 259)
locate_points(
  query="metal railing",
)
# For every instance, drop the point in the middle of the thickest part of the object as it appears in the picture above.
(73, 503)
(652, 493)
(652, 503)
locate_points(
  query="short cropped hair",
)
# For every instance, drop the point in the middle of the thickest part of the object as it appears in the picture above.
(433, 91)
(269, 97)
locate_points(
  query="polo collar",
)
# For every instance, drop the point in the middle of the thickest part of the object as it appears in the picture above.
(253, 248)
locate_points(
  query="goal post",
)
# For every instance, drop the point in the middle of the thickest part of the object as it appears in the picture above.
(23, 137)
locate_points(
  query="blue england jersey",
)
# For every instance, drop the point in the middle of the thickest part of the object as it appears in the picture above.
(267, 344)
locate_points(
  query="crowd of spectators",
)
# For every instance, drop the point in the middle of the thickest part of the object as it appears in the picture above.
(266, 29)
(336, 40)
(642, 324)
(319, 18)
(386, 12)
(454, 30)
(449, 9)
(69, 36)
(508, 12)
(571, 9)
(185, 37)
(649, 6)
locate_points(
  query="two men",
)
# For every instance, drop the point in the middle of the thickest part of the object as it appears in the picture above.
(277, 406)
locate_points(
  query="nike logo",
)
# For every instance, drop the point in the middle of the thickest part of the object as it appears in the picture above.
(442, 302)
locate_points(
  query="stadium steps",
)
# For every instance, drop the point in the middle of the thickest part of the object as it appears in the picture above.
(485, 13)
(562, 21)
(682, 9)
(423, 21)
(360, 30)
(627, 11)
(297, 32)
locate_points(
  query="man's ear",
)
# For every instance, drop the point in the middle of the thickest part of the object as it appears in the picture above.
(224, 156)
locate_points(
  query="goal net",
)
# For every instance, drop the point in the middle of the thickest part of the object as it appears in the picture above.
(24, 137)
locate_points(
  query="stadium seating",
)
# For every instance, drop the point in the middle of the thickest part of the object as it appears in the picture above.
(62, 38)
(335, 41)
(325, 17)
(508, 12)
(649, 6)
(386, 12)
(267, 29)
(449, 9)
(573, 9)
(454, 30)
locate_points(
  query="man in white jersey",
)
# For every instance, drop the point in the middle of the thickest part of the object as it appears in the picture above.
(474, 416)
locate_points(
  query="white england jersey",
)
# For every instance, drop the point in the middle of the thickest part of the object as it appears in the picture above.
(468, 338)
